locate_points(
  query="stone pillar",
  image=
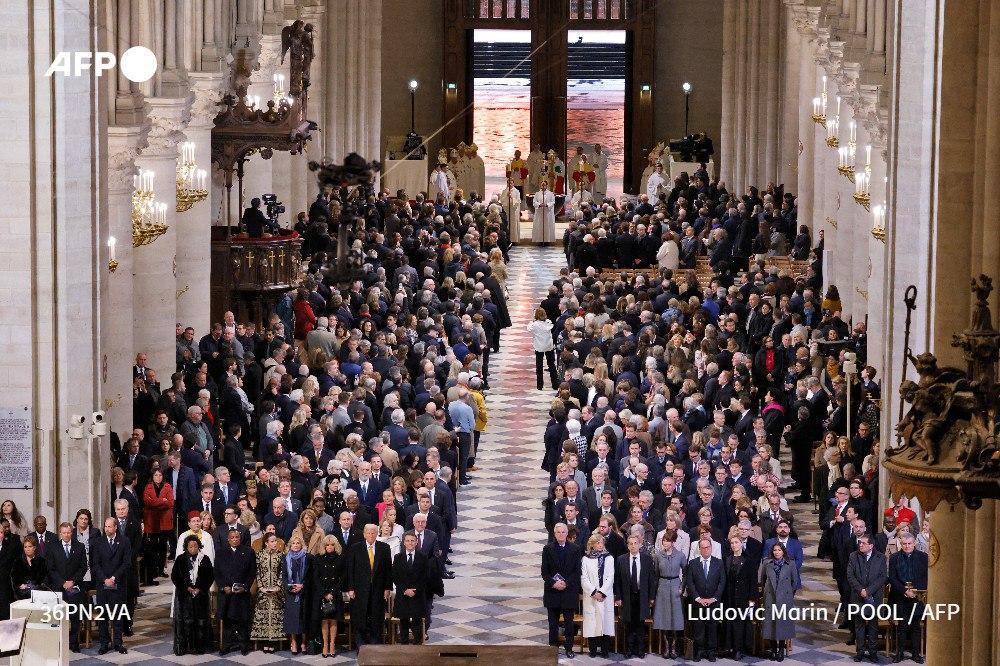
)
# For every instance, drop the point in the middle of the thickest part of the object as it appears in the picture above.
(791, 97)
(948, 578)
(740, 51)
(314, 11)
(124, 144)
(727, 140)
(771, 78)
(354, 75)
(155, 295)
(194, 226)
(753, 106)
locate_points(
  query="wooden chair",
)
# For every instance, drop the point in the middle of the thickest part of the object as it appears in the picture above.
(87, 623)
(887, 628)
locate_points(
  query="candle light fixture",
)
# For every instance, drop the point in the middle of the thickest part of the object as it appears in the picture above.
(279, 93)
(112, 262)
(192, 185)
(861, 194)
(148, 216)
(832, 127)
(878, 222)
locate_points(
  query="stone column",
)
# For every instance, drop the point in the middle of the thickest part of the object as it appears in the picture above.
(791, 100)
(304, 184)
(771, 78)
(753, 106)
(194, 226)
(124, 144)
(354, 98)
(740, 91)
(155, 295)
(727, 140)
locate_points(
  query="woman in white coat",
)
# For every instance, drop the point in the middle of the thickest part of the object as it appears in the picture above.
(597, 580)
(541, 340)
(669, 254)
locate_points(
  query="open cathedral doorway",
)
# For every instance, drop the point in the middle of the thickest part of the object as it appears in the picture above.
(595, 99)
(501, 67)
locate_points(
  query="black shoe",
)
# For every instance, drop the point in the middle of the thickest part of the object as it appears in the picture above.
(569, 653)
(712, 659)
(873, 657)
(104, 649)
(128, 632)
(859, 657)
(898, 657)
(122, 649)
(448, 575)
(223, 652)
(448, 561)
(918, 658)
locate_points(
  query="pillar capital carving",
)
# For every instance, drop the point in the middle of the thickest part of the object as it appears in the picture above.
(168, 116)
(124, 146)
(208, 89)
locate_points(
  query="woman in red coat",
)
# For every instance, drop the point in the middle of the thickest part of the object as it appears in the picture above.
(305, 318)
(158, 522)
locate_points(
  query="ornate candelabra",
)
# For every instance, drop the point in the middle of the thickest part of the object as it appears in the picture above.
(819, 106)
(148, 216)
(862, 179)
(878, 224)
(846, 154)
(191, 181)
(833, 128)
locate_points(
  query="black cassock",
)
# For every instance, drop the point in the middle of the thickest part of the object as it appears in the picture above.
(369, 587)
(192, 626)
(237, 567)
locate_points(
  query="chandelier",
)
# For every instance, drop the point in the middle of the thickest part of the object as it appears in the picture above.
(148, 216)
(191, 181)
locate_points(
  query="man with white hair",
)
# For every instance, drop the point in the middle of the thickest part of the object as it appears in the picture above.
(322, 338)
(398, 437)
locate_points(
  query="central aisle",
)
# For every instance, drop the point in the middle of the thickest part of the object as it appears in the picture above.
(495, 596)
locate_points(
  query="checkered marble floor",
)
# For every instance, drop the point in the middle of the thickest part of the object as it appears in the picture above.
(495, 597)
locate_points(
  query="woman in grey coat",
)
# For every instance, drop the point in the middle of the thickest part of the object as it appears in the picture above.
(780, 578)
(668, 614)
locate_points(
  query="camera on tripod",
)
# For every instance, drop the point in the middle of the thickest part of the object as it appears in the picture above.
(274, 208)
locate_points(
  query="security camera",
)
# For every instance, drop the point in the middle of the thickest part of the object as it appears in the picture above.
(76, 422)
(100, 424)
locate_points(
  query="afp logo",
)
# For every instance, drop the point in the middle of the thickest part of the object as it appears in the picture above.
(138, 64)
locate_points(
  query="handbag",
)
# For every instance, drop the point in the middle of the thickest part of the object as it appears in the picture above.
(328, 607)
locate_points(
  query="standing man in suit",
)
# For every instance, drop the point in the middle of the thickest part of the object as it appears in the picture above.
(67, 563)
(226, 491)
(635, 591)
(561, 570)
(429, 543)
(181, 479)
(369, 584)
(44, 537)
(866, 576)
(409, 574)
(110, 561)
(207, 501)
(368, 488)
(907, 573)
(346, 532)
(231, 523)
(705, 579)
(235, 570)
(792, 545)
(129, 526)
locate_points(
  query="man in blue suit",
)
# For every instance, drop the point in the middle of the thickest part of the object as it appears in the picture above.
(368, 488)
(181, 479)
(110, 559)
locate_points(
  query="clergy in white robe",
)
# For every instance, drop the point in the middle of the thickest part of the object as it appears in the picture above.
(456, 164)
(475, 172)
(510, 200)
(654, 158)
(600, 163)
(580, 196)
(438, 184)
(656, 184)
(543, 229)
(534, 162)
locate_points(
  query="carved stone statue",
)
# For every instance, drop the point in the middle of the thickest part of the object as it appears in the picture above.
(298, 38)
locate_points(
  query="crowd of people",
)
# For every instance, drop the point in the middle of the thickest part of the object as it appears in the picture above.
(301, 476)
(668, 496)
